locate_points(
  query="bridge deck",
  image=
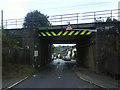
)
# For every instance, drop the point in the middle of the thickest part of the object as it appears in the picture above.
(74, 26)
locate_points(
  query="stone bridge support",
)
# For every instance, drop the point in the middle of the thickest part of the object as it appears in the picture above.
(33, 43)
(44, 49)
(86, 56)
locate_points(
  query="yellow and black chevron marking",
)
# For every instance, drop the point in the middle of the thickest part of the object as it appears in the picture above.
(65, 33)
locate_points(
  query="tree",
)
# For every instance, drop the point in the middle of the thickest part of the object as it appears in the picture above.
(35, 19)
(10, 42)
(109, 19)
(52, 48)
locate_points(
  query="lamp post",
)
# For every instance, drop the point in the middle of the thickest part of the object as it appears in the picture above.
(97, 62)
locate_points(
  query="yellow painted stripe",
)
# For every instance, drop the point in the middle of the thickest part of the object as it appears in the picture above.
(43, 34)
(71, 32)
(59, 33)
(77, 33)
(53, 33)
(83, 32)
(65, 33)
(89, 33)
(48, 33)
(39, 35)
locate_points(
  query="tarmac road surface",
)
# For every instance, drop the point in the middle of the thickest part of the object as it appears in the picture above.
(55, 75)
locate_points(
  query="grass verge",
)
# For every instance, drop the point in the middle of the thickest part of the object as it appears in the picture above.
(17, 71)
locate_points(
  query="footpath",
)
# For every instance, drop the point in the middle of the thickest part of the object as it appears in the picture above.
(99, 80)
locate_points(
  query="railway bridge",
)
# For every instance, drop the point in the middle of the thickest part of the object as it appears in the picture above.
(90, 40)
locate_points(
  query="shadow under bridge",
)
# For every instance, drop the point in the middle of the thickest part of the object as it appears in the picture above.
(83, 38)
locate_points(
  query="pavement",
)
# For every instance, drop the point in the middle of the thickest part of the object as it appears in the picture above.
(99, 80)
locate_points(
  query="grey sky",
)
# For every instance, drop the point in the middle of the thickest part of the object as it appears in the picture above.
(19, 8)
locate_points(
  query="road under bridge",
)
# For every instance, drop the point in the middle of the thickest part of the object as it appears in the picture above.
(85, 36)
(43, 39)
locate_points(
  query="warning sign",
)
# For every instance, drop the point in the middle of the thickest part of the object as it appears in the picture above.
(36, 53)
(69, 27)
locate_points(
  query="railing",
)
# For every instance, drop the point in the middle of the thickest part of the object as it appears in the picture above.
(75, 18)
(13, 23)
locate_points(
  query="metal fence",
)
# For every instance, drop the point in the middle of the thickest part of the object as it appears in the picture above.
(74, 18)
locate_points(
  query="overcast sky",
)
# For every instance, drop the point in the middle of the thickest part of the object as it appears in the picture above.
(19, 8)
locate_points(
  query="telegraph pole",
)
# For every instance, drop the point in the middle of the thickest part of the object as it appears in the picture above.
(2, 20)
(1, 48)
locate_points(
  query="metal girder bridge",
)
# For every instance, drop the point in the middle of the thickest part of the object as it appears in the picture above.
(82, 34)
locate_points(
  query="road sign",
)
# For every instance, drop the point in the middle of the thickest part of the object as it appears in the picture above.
(36, 53)
(69, 27)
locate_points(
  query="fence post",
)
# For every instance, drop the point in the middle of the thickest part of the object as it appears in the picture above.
(16, 23)
(111, 14)
(61, 19)
(94, 17)
(77, 18)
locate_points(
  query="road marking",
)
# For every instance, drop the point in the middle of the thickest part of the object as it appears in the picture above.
(35, 75)
(91, 82)
(59, 77)
(16, 83)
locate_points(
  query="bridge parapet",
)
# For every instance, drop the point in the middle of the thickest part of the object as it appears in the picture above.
(74, 26)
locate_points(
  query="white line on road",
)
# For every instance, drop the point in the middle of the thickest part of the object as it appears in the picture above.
(59, 77)
(35, 75)
(16, 83)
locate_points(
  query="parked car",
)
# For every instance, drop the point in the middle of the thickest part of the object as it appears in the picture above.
(67, 58)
